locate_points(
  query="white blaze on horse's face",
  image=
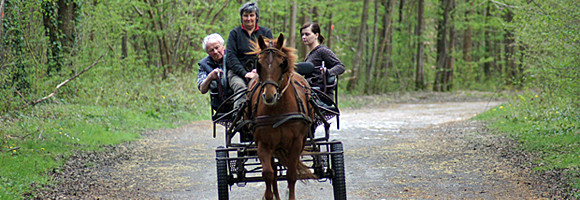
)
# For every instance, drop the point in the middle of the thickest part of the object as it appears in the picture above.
(271, 74)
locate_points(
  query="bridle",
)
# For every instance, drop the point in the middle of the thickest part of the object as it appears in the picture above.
(271, 51)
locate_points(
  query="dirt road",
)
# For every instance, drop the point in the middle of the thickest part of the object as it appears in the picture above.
(397, 151)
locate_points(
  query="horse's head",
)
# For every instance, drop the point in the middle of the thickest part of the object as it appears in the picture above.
(274, 63)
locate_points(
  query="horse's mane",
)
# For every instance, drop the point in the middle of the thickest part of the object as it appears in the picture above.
(289, 51)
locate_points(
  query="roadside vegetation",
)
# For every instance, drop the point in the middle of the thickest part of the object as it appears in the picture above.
(544, 115)
(549, 132)
(37, 140)
(146, 78)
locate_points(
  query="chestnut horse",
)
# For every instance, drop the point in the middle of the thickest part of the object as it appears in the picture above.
(278, 105)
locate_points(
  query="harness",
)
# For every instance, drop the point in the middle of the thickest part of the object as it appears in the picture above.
(305, 109)
(287, 78)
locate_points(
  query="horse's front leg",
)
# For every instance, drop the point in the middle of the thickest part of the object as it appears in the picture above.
(265, 156)
(292, 174)
(275, 181)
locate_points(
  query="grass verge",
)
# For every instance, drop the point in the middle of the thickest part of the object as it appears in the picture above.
(38, 140)
(547, 129)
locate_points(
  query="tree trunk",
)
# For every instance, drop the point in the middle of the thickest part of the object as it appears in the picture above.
(315, 13)
(371, 85)
(329, 31)
(357, 63)
(419, 75)
(509, 43)
(442, 52)
(303, 50)
(487, 66)
(1, 18)
(386, 47)
(66, 23)
(467, 38)
(401, 6)
(293, 11)
(124, 45)
(450, 60)
(164, 53)
(49, 20)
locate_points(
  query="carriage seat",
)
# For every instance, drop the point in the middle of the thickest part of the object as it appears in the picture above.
(306, 68)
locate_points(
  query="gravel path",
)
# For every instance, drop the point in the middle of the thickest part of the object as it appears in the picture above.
(416, 150)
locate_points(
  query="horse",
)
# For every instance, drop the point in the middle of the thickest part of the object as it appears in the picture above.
(278, 105)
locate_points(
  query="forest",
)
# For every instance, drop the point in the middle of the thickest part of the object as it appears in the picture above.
(69, 62)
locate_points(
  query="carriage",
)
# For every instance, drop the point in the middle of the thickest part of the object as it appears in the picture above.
(237, 162)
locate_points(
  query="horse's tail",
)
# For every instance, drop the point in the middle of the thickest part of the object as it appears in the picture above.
(303, 171)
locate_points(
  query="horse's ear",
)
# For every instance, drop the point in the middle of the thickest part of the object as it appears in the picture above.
(261, 42)
(280, 42)
(258, 68)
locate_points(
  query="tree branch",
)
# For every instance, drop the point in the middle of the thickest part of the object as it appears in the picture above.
(138, 11)
(32, 103)
(219, 12)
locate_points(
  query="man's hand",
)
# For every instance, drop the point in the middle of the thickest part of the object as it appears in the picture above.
(252, 74)
(215, 74)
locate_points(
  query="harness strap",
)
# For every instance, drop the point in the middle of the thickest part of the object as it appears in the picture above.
(286, 87)
(277, 121)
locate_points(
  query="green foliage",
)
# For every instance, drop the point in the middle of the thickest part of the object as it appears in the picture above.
(545, 116)
(147, 75)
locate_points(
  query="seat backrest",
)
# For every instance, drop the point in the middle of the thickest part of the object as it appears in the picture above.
(304, 68)
(330, 83)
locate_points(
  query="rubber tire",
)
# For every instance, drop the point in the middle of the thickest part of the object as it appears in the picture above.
(222, 175)
(338, 177)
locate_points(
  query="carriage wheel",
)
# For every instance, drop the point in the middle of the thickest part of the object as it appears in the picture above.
(222, 174)
(338, 177)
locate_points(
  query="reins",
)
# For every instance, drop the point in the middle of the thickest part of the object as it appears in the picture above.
(276, 121)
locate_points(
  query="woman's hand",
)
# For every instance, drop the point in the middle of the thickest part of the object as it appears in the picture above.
(252, 74)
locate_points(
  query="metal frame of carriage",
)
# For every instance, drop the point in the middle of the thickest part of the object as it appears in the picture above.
(237, 163)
